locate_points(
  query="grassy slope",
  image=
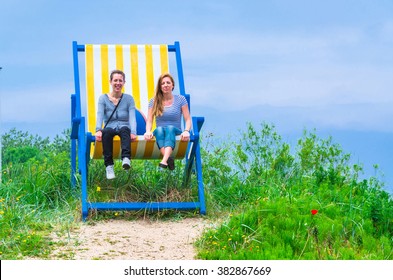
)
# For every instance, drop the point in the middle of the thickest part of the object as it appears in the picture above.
(276, 201)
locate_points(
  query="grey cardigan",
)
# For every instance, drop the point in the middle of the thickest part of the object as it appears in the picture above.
(124, 115)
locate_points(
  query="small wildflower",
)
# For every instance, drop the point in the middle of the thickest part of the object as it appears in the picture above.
(314, 211)
(229, 239)
(98, 188)
(116, 214)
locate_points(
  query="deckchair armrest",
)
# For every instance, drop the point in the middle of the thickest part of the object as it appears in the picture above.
(90, 138)
(75, 120)
(197, 123)
(75, 127)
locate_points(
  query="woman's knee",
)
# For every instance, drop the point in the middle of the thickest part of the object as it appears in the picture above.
(170, 136)
(125, 133)
(125, 129)
(159, 132)
(170, 130)
(108, 133)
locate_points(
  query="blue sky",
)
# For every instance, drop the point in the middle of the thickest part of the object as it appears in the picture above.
(307, 63)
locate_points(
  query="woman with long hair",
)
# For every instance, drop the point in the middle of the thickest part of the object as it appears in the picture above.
(167, 109)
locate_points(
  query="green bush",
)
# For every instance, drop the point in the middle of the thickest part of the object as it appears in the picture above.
(275, 192)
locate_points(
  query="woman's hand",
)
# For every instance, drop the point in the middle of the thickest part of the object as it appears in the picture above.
(185, 135)
(133, 137)
(99, 136)
(148, 136)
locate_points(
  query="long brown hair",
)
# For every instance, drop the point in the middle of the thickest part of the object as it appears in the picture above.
(158, 105)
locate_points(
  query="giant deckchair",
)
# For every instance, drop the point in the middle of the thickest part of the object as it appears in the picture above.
(142, 65)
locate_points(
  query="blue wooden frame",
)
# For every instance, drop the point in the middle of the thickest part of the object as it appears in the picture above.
(81, 141)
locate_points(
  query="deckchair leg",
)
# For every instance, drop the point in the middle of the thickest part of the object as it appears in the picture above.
(85, 209)
(197, 123)
(73, 163)
(195, 155)
(201, 191)
(83, 167)
(74, 137)
(89, 139)
(188, 170)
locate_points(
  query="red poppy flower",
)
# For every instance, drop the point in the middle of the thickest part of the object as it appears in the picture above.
(314, 211)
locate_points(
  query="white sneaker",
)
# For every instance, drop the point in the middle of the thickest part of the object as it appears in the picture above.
(110, 172)
(126, 163)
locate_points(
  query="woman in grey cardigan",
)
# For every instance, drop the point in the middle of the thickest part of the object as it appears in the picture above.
(116, 110)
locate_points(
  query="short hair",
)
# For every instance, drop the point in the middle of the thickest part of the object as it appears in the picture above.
(117, 72)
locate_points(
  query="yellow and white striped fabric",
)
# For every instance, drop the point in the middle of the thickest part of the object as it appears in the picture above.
(142, 65)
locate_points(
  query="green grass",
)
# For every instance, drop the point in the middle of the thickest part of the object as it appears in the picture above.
(261, 190)
(35, 200)
(144, 182)
(267, 196)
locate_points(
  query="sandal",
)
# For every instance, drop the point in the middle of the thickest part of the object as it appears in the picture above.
(163, 165)
(171, 163)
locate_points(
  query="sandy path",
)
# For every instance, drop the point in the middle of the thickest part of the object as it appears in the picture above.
(132, 240)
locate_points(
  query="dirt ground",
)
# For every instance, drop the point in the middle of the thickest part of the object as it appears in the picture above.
(132, 240)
